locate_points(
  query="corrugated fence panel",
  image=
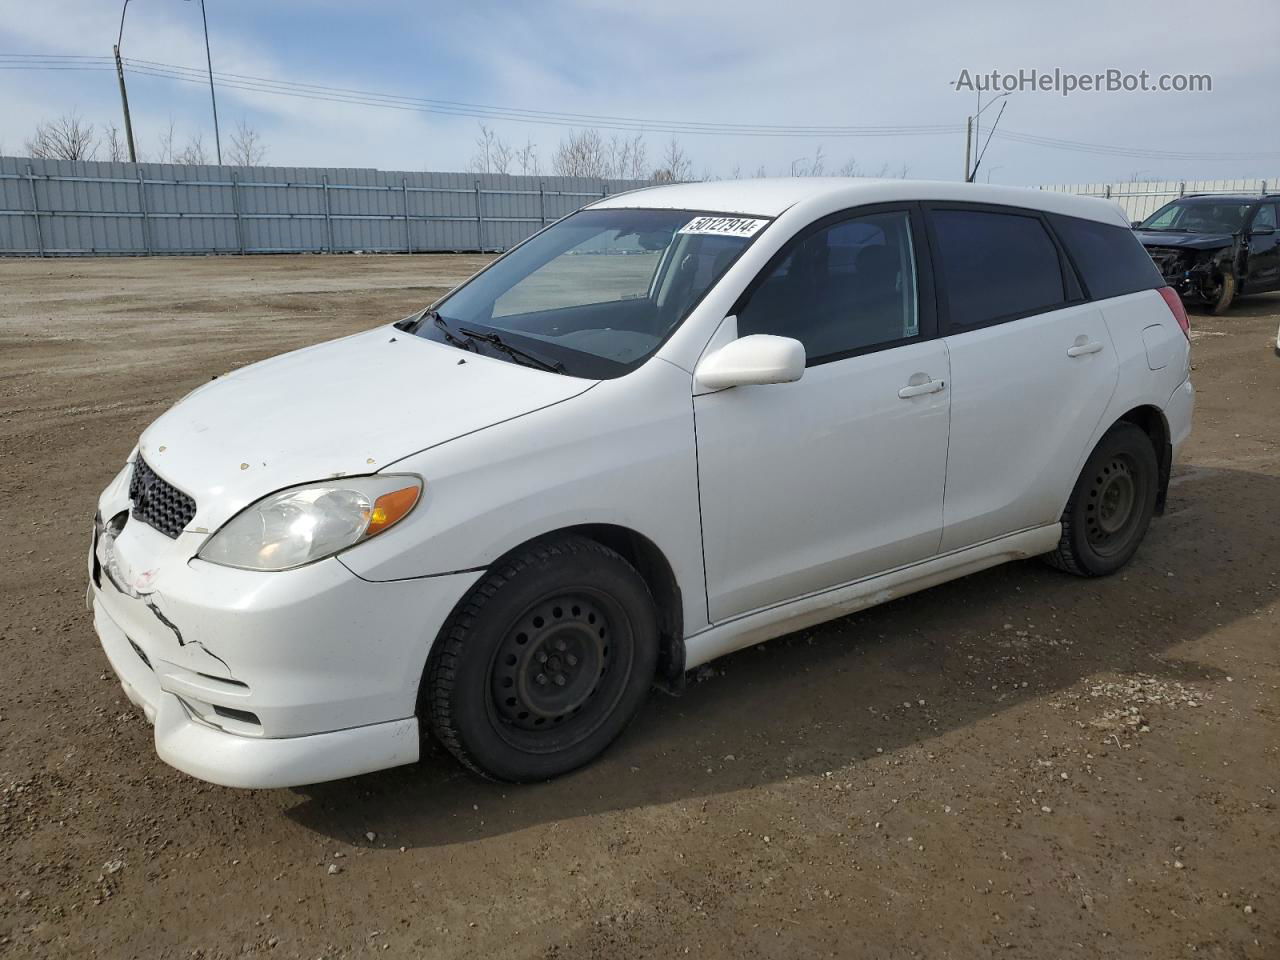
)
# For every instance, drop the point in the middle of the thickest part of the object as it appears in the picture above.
(61, 207)
(1141, 198)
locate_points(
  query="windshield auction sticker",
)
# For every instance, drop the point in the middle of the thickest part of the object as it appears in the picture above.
(724, 226)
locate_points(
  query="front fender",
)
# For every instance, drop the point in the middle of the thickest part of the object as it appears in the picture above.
(621, 454)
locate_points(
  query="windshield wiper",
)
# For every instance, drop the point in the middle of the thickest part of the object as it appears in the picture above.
(449, 335)
(515, 353)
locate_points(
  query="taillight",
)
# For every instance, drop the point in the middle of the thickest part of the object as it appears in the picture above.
(1177, 309)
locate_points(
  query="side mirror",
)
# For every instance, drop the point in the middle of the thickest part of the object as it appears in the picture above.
(1135, 224)
(756, 359)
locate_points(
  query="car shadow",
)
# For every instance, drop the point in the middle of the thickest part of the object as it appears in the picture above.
(885, 679)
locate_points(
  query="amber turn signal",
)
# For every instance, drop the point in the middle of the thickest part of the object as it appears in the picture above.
(391, 508)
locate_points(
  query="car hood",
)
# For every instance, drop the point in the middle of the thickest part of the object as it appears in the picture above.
(1187, 241)
(346, 407)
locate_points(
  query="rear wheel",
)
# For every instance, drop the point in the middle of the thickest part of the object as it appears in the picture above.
(544, 662)
(1111, 505)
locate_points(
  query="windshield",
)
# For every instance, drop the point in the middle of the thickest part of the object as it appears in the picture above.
(1198, 216)
(595, 294)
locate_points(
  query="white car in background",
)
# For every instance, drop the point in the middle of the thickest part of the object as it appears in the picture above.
(678, 422)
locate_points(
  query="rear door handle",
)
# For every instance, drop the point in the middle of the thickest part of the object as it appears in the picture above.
(1083, 349)
(920, 389)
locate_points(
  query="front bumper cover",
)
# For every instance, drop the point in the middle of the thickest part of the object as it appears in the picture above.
(264, 679)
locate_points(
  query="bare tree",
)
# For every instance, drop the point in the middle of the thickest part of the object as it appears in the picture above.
(503, 154)
(819, 165)
(805, 167)
(66, 138)
(193, 152)
(581, 154)
(627, 157)
(493, 154)
(117, 149)
(166, 143)
(482, 160)
(761, 172)
(247, 149)
(527, 158)
(639, 169)
(850, 168)
(676, 165)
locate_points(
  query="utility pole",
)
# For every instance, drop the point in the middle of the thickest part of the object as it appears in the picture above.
(971, 136)
(124, 95)
(217, 138)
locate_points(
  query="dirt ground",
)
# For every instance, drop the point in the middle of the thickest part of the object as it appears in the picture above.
(1020, 764)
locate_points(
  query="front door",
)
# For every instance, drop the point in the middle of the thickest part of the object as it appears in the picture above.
(1264, 250)
(838, 476)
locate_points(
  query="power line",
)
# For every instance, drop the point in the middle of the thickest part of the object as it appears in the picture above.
(479, 111)
(1142, 153)
(331, 94)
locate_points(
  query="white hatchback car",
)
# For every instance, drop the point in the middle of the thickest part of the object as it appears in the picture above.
(678, 422)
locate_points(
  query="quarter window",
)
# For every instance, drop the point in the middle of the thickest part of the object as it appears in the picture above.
(995, 266)
(1109, 258)
(1265, 217)
(842, 289)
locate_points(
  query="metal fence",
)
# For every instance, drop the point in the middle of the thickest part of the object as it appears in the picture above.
(91, 208)
(1142, 198)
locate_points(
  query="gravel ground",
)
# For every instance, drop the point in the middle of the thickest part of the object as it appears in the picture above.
(1020, 763)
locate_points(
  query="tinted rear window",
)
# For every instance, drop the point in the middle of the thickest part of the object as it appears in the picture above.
(995, 266)
(1110, 259)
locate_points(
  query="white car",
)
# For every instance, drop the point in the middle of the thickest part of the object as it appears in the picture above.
(676, 423)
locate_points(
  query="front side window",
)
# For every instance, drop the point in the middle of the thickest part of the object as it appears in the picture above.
(840, 290)
(1265, 217)
(994, 266)
(597, 293)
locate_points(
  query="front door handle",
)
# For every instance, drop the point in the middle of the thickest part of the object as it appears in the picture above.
(1083, 349)
(920, 389)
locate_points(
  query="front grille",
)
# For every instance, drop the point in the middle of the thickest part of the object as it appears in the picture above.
(158, 503)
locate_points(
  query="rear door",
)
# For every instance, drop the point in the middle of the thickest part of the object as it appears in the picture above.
(1033, 368)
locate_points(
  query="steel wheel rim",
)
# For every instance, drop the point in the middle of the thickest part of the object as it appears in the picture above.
(559, 670)
(1112, 508)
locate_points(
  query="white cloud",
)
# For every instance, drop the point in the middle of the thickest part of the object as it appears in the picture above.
(804, 62)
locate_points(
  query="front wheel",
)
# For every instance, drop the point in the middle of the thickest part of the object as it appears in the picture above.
(544, 662)
(1222, 295)
(1111, 505)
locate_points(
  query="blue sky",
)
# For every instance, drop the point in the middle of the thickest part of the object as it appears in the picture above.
(803, 62)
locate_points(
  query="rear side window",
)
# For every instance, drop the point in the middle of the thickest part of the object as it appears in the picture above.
(995, 266)
(1110, 259)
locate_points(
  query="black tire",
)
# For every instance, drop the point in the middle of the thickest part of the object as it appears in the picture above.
(544, 662)
(1224, 295)
(1111, 505)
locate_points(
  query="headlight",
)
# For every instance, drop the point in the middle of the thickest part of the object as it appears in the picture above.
(307, 523)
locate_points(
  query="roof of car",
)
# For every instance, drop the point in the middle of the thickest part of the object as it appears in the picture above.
(769, 197)
(1227, 197)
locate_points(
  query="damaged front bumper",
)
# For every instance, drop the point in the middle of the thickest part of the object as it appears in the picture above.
(262, 679)
(1195, 274)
